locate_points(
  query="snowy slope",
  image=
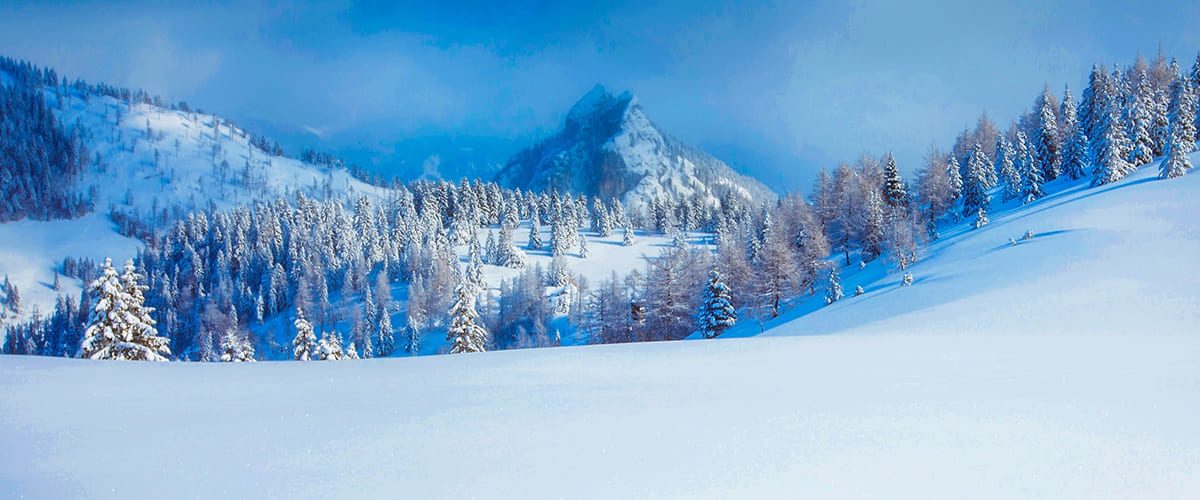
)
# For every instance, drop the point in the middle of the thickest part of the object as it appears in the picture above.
(609, 148)
(123, 174)
(1067, 366)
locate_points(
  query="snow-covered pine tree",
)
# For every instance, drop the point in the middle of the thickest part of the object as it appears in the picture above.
(489, 250)
(508, 254)
(583, 248)
(120, 326)
(1046, 141)
(833, 289)
(1183, 132)
(717, 313)
(895, 194)
(975, 194)
(956, 180)
(535, 231)
(1139, 121)
(385, 340)
(627, 239)
(236, 347)
(1110, 164)
(981, 218)
(304, 345)
(330, 347)
(1075, 141)
(465, 333)
(1009, 175)
(1031, 173)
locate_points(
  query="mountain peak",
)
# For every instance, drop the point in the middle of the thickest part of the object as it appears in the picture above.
(598, 104)
(608, 147)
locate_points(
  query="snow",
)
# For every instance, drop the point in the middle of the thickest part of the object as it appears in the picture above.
(1066, 366)
(30, 252)
(128, 180)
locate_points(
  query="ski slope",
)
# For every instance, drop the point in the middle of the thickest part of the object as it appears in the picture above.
(1065, 366)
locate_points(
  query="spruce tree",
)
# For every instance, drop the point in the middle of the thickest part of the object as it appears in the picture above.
(1031, 174)
(120, 326)
(330, 347)
(384, 339)
(535, 232)
(975, 194)
(1183, 133)
(1045, 148)
(717, 313)
(304, 345)
(1074, 157)
(1009, 175)
(833, 289)
(894, 192)
(627, 239)
(465, 333)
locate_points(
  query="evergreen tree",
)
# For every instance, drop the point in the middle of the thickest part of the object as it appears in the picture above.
(1110, 164)
(330, 347)
(465, 333)
(236, 347)
(384, 339)
(1046, 140)
(1139, 122)
(833, 290)
(1074, 157)
(412, 338)
(956, 180)
(627, 239)
(981, 218)
(304, 345)
(120, 326)
(1031, 174)
(1183, 132)
(1013, 183)
(535, 231)
(895, 194)
(717, 313)
(975, 194)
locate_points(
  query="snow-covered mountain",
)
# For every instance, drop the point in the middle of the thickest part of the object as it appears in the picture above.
(609, 148)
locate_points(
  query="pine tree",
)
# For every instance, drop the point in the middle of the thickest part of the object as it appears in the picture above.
(384, 338)
(1110, 164)
(895, 194)
(833, 290)
(1031, 174)
(1074, 157)
(981, 218)
(956, 180)
(412, 338)
(1046, 140)
(535, 231)
(975, 194)
(1183, 132)
(120, 326)
(304, 345)
(508, 254)
(465, 333)
(330, 347)
(717, 313)
(1140, 122)
(583, 248)
(1013, 183)
(627, 239)
(236, 347)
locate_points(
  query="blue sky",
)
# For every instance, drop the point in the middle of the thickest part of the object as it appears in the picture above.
(777, 89)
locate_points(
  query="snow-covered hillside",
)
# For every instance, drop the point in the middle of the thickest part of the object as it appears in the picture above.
(1064, 366)
(145, 160)
(609, 148)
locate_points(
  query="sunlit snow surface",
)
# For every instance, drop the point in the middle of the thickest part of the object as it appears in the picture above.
(1066, 366)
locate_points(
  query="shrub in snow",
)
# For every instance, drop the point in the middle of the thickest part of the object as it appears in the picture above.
(908, 280)
(1028, 235)
(858, 290)
(833, 292)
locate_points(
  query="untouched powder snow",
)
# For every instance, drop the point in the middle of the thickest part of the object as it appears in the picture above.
(1066, 366)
